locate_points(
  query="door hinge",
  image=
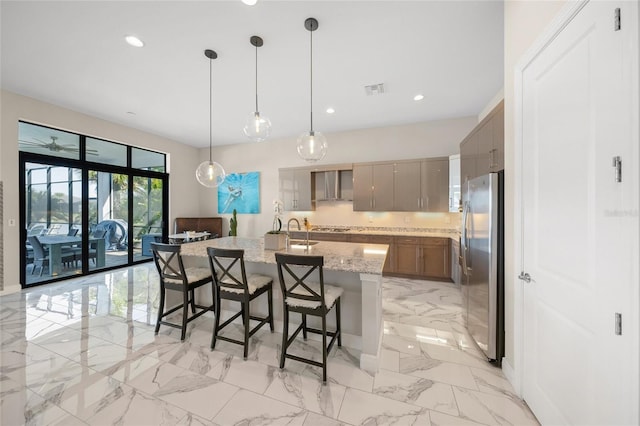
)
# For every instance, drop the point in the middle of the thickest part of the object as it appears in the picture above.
(618, 324)
(617, 164)
(524, 276)
(616, 20)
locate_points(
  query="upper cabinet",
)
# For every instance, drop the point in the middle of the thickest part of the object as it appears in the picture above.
(296, 189)
(435, 185)
(407, 186)
(482, 151)
(420, 185)
(454, 183)
(373, 187)
(413, 186)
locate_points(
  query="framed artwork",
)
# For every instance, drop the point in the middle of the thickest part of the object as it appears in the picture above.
(240, 191)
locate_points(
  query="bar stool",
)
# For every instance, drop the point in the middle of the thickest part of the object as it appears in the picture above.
(174, 276)
(307, 298)
(231, 283)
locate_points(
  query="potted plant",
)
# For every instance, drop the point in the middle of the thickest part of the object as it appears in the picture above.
(276, 239)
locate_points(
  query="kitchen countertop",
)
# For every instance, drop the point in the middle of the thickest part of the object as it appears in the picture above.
(338, 256)
(391, 231)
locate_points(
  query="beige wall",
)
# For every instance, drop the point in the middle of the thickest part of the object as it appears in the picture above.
(187, 198)
(183, 161)
(430, 139)
(524, 22)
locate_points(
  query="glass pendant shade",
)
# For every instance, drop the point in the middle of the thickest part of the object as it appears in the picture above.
(312, 146)
(257, 127)
(210, 174)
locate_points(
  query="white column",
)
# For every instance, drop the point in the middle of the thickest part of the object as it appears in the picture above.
(371, 321)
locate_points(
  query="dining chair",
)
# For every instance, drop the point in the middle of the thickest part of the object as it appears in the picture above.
(231, 283)
(174, 276)
(304, 291)
(92, 253)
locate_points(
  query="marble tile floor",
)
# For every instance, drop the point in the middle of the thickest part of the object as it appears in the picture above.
(83, 352)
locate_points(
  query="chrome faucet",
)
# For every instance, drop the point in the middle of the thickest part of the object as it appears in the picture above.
(288, 225)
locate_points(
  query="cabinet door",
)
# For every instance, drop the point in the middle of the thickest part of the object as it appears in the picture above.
(497, 156)
(435, 258)
(455, 190)
(406, 256)
(362, 187)
(406, 187)
(485, 148)
(287, 189)
(435, 185)
(383, 187)
(326, 236)
(468, 154)
(303, 190)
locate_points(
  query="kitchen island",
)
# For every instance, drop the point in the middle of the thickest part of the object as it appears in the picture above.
(357, 268)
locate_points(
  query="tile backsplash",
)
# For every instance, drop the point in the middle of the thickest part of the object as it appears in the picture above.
(340, 214)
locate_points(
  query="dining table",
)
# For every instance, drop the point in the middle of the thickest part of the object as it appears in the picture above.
(188, 236)
(55, 243)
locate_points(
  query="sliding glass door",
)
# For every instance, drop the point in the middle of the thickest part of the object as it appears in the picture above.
(86, 204)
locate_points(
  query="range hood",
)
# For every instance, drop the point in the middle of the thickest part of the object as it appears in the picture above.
(334, 185)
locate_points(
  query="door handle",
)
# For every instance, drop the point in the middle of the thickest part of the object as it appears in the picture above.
(524, 276)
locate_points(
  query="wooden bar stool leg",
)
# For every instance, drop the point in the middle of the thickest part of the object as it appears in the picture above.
(338, 326)
(245, 315)
(160, 309)
(185, 313)
(324, 349)
(285, 336)
(304, 326)
(216, 322)
(270, 296)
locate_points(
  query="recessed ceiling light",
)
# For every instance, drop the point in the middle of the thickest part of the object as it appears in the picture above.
(134, 41)
(330, 110)
(249, 2)
(418, 97)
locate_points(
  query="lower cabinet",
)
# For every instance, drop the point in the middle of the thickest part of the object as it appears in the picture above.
(423, 257)
(409, 257)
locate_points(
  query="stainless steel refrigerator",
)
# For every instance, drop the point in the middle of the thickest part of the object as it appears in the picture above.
(482, 259)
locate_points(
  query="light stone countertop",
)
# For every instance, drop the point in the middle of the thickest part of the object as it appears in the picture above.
(454, 234)
(338, 256)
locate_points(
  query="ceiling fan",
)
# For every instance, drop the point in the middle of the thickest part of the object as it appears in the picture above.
(53, 146)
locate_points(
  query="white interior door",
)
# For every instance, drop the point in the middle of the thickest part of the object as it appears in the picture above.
(580, 231)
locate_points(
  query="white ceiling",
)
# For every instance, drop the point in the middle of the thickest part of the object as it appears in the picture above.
(73, 54)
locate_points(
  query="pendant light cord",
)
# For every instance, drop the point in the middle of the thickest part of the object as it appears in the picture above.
(311, 81)
(257, 79)
(210, 109)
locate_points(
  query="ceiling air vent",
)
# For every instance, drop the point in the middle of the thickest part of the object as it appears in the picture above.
(374, 89)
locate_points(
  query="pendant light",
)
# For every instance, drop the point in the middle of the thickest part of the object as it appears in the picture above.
(257, 127)
(312, 146)
(209, 173)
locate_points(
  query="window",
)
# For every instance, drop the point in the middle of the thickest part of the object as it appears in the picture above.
(88, 207)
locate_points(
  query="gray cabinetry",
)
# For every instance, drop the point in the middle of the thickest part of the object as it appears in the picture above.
(411, 186)
(373, 187)
(296, 189)
(406, 187)
(482, 151)
(434, 185)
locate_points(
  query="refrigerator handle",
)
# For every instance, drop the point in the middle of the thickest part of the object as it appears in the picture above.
(464, 241)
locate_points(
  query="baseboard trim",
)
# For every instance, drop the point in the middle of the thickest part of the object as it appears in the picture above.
(10, 290)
